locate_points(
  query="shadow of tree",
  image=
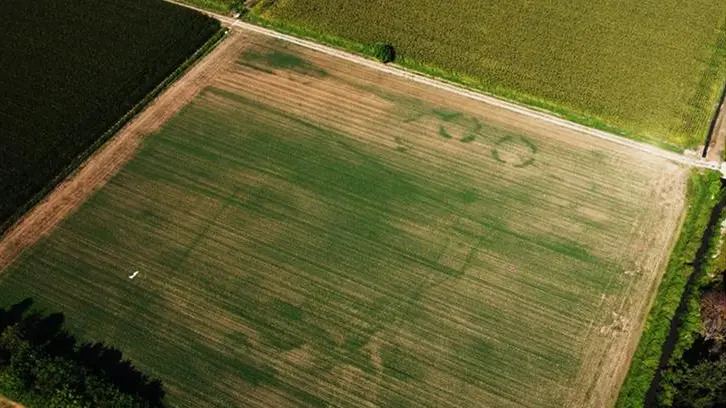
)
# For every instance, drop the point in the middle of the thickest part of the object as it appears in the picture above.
(46, 333)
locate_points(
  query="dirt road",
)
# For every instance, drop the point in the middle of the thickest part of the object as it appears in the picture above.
(451, 87)
(111, 157)
(103, 164)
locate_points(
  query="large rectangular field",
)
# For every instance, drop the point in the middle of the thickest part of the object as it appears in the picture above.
(70, 71)
(310, 232)
(649, 69)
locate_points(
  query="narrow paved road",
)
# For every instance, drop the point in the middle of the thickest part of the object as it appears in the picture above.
(450, 87)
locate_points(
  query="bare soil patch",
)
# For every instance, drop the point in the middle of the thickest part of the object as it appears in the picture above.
(6, 403)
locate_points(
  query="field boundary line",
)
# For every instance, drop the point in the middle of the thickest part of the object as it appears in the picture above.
(714, 148)
(448, 86)
(67, 171)
(109, 156)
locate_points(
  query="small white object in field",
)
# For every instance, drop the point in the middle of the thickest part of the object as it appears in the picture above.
(134, 275)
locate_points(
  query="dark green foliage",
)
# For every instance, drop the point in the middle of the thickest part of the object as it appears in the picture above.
(41, 365)
(384, 52)
(697, 377)
(70, 70)
(702, 385)
(703, 195)
(238, 6)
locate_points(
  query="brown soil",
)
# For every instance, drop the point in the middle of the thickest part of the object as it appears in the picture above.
(718, 140)
(6, 403)
(109, 159)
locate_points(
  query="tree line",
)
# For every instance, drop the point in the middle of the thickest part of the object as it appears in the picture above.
(43, 366)
(698, 378)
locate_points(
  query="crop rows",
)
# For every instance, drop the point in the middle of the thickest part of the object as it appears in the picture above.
(70, 72)
(312, 233)
(650, 69)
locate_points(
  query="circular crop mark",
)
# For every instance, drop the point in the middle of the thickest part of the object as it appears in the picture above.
(516, 151)
(463, 129)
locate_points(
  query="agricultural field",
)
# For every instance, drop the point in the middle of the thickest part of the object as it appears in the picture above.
(311, 232)
(70, 71)
(650, 70)
(220, 6)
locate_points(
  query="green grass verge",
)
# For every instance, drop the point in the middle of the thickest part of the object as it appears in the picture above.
(519, 98)
(636, 91)
(691, 319)
(703, 194)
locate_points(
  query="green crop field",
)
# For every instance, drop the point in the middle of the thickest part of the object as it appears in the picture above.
(651, 70)
(70, 71)
(309, 232)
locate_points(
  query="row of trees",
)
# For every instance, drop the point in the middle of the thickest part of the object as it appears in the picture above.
(674, 315)
(692, 370)
(43, 366)
(698, 379)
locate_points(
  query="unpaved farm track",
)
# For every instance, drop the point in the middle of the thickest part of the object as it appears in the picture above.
(103, 164)
(454, 88)
(95, 171)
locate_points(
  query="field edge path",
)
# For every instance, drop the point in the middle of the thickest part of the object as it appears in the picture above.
(105, 162)
(401, 72)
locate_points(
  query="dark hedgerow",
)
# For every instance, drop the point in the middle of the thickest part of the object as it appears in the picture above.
(70, 71)
(44, 365)
(703, 195)
(385, 52)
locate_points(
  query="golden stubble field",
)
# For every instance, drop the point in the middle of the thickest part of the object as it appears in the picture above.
(313, 233)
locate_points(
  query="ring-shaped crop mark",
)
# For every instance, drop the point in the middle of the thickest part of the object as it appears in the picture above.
(473, 130)
(517, 151)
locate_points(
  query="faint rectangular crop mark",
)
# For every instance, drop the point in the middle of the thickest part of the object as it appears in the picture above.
(462, 244)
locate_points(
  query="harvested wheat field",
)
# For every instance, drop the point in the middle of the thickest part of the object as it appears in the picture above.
(309, 232)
